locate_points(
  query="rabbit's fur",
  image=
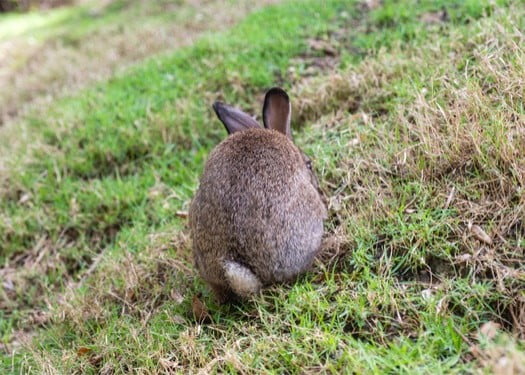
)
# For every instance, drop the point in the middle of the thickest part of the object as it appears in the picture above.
(257, 217)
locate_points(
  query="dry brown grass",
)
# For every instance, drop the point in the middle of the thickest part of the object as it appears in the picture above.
(496, 352)
(141, 283)
(34, 73)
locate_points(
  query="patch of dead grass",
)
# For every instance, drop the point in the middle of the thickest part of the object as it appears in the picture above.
(33, 74)
(496, 353)
(141, 282)
(134, 286)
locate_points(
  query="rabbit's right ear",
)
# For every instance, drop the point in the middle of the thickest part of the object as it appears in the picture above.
(233, 118)
(277, 111)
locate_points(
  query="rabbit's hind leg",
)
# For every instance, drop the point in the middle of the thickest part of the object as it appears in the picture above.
(223, 293)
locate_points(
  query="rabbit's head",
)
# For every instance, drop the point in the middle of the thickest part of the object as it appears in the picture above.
(276, 115)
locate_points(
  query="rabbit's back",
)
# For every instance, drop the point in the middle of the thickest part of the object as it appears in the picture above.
(256, 206)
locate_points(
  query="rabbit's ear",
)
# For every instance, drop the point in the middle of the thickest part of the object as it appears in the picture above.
(277, 111)
(233, 118)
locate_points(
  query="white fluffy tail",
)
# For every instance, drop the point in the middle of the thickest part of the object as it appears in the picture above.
(241, 279)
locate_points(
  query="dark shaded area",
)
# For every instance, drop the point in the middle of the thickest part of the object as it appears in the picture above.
(26, 5)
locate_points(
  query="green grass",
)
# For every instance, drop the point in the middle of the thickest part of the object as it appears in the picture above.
(98, 259)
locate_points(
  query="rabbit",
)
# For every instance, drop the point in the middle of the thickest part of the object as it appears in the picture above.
(257, 216)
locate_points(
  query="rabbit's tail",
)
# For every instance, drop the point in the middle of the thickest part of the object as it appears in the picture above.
(241, 279)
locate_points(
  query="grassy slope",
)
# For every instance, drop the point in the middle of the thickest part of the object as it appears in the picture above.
(46, 54)
(422, 111)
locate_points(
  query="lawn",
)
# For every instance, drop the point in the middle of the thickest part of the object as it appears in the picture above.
(414, 115)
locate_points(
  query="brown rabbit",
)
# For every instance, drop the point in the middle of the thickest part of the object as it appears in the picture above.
(257, 217)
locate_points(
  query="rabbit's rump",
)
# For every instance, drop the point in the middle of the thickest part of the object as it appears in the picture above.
(257, 207)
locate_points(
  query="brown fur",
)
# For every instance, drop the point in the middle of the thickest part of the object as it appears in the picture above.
(258, 210)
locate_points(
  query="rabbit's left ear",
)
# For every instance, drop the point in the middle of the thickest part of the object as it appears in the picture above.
(234, 119)
(277, 111)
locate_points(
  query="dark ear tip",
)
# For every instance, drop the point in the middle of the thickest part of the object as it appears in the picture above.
(218, 108)
(277, 91)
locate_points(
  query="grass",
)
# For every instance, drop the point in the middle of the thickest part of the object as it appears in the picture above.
(416, 128)
(48, 54)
